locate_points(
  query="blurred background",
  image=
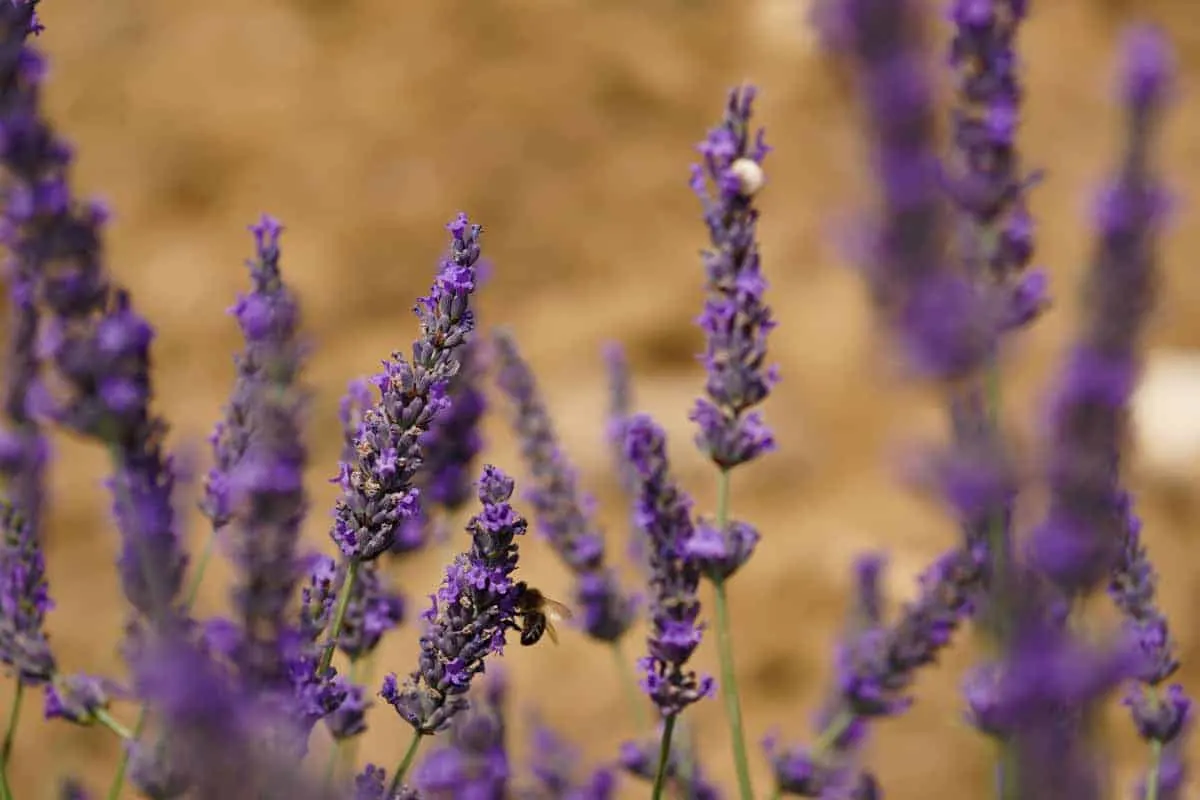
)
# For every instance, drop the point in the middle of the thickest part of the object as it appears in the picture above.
(567, 128)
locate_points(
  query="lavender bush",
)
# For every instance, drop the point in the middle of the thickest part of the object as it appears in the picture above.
(225, 707)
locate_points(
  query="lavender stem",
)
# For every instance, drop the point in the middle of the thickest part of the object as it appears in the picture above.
(10, 733)
(729, 687)
(108, 721)
(664, 756)
(339, 616)
(1152, 772)
(409, 757)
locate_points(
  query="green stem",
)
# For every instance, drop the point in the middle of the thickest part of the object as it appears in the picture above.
(107, 720)
(664, 757)
(339, 616)
(733, 706)
(198, 573)
(402, 770)
(832, 732)
(1152, 774)
(337, 751)
(10, 735)
(630, 687)
(729, 687)
(687, 760)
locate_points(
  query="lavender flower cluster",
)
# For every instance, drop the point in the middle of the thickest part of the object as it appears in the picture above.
(226, 707)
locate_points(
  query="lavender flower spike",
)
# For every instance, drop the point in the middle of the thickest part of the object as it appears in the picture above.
(474, 763)
(99, 347)
(987, 185)
(470, 616)
(453, 442)
(944, 326)
(564, 512)
(377, 484)
(735, 320)
(257, 486)
(664, 512)
(1079, 542)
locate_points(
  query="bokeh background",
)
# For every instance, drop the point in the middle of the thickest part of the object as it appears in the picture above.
(567, 128)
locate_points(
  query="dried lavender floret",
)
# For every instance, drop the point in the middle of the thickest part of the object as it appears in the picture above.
(377, 483)
(735, 320)
(942, 321)
(563, 512)
(1079, 542)
(665, 513)
(469, 617)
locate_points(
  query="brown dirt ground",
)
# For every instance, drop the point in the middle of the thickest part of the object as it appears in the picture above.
(567, 127)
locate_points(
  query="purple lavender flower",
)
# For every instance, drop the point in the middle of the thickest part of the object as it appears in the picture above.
(1041, 696)
(71, 789)
(563, 511)
(377, 484)
(945, 327)
(735, 320)
(76, 699)
(99, 347)
(1079, 542)
(24, 600)
(350, 718)
(620, 408)
(664, 512)
(469, 617)
(474, 763)
(554, 763)
(453, 442)
(987, 183)
(256, 488)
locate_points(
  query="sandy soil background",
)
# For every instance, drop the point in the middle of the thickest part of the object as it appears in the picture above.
(567, 127)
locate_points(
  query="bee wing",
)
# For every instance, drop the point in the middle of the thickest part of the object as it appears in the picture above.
(557, 610)
(553, 634)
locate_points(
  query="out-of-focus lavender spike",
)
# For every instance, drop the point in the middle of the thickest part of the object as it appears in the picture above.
(1042, 696)
(469, 617)
(71, 789)
(98, 346)
(830, 769)
(554, 764)
(1079, 542)
(987, 183)
(76, 699)
(217, 736)
(452, 444)
(620, 408)
(377, 483)
(735, 320)
(373, 610)
(940, 318)
(474, 762)
(562, 511)
(371, 784)
(256, 488)
(350, 718)
(664, 512)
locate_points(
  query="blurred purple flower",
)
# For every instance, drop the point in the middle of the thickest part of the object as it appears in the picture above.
(562, 511)
(473, 765)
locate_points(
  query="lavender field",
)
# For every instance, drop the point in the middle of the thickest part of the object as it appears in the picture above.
(568, 129)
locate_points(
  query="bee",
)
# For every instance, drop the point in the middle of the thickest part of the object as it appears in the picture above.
(537, 613)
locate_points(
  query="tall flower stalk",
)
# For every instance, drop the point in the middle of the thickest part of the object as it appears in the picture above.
(735, 322)
(378, 494)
